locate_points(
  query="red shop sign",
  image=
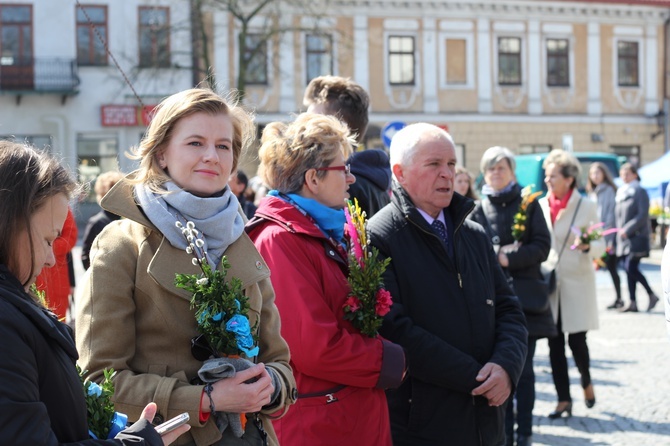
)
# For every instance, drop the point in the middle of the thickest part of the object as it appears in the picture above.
(118, 115)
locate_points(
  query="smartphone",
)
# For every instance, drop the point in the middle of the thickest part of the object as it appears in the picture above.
(172, 424)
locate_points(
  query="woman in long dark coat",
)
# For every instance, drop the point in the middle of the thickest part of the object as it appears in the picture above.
(520, 260)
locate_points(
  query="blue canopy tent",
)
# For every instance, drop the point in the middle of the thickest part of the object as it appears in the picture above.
(655, 176)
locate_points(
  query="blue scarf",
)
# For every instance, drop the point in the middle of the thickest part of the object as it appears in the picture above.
(330, 221)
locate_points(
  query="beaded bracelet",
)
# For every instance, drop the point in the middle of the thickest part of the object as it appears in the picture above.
(208, 392)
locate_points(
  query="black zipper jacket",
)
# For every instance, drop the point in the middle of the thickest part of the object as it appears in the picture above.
(452, 315)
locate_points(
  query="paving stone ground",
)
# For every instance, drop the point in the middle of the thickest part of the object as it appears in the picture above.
(630, 369)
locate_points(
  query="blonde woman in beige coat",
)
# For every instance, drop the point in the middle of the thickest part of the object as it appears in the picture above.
(574, 302)
(132, 317)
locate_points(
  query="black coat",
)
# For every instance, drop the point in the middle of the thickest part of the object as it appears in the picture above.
(41, 395)
(94, 227)
(496, 214)
(452, 317)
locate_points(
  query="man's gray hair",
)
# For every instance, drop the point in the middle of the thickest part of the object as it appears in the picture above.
(405, 142)
(494, 155)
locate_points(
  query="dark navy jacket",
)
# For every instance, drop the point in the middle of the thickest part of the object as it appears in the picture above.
(452, 315)
(372, 170)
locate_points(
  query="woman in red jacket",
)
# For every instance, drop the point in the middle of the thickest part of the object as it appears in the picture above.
(55, 281)
(298, 228)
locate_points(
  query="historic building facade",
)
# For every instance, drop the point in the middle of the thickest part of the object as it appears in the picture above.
(83, 75)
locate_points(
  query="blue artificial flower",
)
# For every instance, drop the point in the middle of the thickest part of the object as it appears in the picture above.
(94, 390)
(239, 325)
(205, 314)
(203, 317)
(119, 422)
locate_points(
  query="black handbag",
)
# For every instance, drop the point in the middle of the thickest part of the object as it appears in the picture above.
(254, 434)
(533, 294)
(549, 278)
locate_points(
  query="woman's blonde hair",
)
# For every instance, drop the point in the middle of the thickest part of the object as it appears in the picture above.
(568, 164)
(178, 106)
(288, 150)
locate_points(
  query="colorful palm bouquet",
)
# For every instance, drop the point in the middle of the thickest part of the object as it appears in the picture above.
(368, 301)
(587, 234)
(221, 308)
(601, 262)
(520, 220)
(103, 422)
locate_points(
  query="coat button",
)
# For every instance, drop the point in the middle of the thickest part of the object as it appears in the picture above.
(158, 419)
(331, 252)
(259, 265)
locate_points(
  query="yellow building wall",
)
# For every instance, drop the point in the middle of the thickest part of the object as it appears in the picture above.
(479, 136)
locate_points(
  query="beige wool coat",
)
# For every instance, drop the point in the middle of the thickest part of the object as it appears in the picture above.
(575, 295)
(131, 317)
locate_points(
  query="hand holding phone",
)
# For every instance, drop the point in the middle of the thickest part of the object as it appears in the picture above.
(172, 424)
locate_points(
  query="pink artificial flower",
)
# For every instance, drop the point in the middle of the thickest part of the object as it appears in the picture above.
(353, 303)
(350, 229)
(595, 226)
(384, 302)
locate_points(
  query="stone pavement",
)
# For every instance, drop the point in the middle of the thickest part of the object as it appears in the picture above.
(630, 369)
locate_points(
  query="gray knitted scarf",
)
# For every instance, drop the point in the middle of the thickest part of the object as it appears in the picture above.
(217, 218)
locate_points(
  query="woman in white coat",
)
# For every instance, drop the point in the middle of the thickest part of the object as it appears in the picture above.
(574, 302)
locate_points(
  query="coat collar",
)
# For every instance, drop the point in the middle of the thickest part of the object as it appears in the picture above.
(120, 200)
(458, 209)
(245, 262)
(292, 219)
(282, 212)
(40, 317)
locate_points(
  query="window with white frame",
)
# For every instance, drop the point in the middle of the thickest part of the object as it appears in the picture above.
(401, 60)
(318, 56)
(628, 63)
(558, 63)
(256, 56)
(509, 61)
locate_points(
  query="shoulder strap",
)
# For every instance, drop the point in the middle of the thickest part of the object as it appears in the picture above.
(570, 228)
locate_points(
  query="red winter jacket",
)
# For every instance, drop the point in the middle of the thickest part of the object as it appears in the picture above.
(341, 374)
(55, 281)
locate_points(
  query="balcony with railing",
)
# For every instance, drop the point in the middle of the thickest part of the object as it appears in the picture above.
(38, 76)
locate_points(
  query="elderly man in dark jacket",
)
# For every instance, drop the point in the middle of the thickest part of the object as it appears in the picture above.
(453, 311)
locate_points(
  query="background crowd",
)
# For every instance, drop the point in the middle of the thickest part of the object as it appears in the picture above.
(469, 278)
